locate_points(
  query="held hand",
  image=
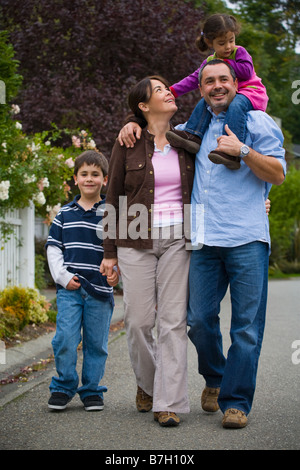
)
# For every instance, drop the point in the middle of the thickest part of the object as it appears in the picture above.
(74, 284)
(129, 133)
(268, 206)
(113, 279)
(107, 266)
(229, 143)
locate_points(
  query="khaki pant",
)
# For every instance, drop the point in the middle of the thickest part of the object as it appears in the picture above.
(155, 284)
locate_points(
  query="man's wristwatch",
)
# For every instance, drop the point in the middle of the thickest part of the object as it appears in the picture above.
(244, 151)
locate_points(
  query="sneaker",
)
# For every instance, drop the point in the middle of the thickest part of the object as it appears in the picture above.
(189, 142)
(93, 403)
(234, 419)
(143, 401)
(166, 418)
(58, 401)
(209, 399)
(233, 163)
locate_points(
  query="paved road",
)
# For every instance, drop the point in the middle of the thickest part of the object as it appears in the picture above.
(274, 422)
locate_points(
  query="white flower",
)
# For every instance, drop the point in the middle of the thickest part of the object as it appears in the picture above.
(4, 190)
(52, 211)
(29, 179)
(15, 109)
(4, 146)
(33, 147)
(18, 125)
(91, 144)
(47, 142)
(45, 182)
(39, 198)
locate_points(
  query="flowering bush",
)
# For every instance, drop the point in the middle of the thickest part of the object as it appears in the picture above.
(32, 168)
(20, 306)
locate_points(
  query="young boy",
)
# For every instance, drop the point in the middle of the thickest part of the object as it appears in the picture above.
(84, 296)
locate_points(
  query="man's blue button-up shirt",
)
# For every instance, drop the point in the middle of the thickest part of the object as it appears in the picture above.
(228, 206)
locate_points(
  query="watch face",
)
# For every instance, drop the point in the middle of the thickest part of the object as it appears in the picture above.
(245, 150)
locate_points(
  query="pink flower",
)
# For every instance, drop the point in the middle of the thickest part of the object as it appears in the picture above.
(76, 141)
(69, 162)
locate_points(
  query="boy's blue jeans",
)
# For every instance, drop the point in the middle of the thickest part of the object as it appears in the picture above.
(78, 311)
(236, 117)
(245, 269)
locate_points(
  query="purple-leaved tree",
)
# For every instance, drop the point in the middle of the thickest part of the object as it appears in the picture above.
(79, 58)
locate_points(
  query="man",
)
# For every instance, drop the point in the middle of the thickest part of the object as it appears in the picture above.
(233, 241)
(230, 234)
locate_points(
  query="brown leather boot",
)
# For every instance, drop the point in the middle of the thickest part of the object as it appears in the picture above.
(233, 163)
(181, 139)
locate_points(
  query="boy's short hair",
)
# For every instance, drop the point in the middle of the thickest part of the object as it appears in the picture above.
(91, 157)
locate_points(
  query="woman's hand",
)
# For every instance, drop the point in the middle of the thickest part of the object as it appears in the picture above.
(107, 266)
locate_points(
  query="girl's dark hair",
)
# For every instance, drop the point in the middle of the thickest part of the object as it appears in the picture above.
(91, 157)
(141, 93)
(215, 26)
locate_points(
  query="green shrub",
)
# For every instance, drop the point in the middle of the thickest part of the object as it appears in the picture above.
(9, 324)
(24, 304)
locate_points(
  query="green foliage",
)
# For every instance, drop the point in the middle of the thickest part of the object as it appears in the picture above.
(285, 222)
(9, 324)
(270, 32)
(20, 306)
(33, 168)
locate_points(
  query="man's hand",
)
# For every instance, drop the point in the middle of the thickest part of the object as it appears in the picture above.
(129, 133)
(74, 284)
(229, 143)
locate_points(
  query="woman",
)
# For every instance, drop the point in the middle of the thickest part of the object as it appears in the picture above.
(155, 182)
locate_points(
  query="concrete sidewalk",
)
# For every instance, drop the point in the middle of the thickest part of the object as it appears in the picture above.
(274, 422)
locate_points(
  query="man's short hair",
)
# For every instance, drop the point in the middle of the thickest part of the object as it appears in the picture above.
(215, 62)
(91, 157)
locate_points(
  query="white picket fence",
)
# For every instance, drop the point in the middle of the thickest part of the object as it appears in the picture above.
(17, 254)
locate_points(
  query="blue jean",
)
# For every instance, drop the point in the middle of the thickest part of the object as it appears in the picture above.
(236, 117)
(245, 270)
(78, 311)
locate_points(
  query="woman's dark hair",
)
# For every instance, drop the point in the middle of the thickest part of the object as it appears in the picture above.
(141, 93)
(215, 26)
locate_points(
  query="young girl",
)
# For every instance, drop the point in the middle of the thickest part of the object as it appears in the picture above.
(219, 33)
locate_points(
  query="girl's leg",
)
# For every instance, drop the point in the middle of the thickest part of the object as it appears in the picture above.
(236, 116)
(190, 138)
(199, 120)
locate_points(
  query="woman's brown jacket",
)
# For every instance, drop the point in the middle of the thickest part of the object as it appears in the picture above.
(131, 174)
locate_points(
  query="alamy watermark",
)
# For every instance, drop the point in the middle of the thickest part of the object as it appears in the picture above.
(296, 353)
(134, 222)
(2, 92)
(296, 94)
(2, 353)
